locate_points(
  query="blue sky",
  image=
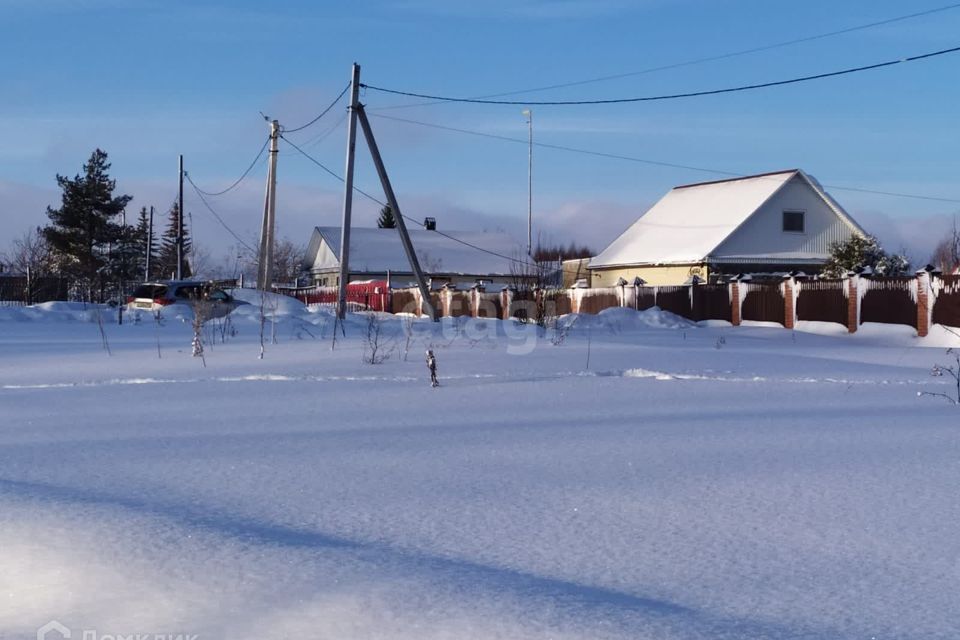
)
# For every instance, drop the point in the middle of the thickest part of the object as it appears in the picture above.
(148, 80)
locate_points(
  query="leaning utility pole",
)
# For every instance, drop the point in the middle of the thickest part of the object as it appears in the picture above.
(397, 214)
(180, 225)
(348, 192)
(357, 113)
(265, 262)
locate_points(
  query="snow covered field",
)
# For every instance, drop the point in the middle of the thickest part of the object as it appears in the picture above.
(647, 478)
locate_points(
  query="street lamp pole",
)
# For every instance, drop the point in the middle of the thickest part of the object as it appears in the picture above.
(529, 114)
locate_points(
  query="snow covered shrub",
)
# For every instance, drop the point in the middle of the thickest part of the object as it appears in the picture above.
(953, 370)
(376, 349)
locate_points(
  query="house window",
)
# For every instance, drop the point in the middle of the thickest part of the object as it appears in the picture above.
(793, 221)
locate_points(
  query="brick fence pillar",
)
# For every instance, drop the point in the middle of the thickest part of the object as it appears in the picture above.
(923, 303)
(505, 296)
(853, 303)
(475, 295)
(789, 308)
(735, 318)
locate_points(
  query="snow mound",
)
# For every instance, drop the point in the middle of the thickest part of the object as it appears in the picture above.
(619, 319)
(274, 304)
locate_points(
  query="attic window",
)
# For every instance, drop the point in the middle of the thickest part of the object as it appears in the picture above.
(793, 221)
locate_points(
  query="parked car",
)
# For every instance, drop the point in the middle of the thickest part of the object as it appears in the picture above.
(153, 296)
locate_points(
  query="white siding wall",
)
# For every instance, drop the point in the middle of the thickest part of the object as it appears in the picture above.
(325, 258)
(763, 236)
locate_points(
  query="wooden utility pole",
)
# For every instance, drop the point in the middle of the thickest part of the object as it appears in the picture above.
(348, 192)
(265, 262)
(397, 214)
(180, 225)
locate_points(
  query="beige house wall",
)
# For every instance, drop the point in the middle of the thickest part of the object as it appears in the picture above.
(653, 275)
(574, 270)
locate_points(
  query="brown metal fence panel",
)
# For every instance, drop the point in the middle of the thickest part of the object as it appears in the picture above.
(675, 300)
(946, 300)
(557, 303)
(889, 300)
(523, 306)
(403, 301)
(489, 305)
(823, 301)
(711, 302)
(461, 304)
(762, 302)
(596, 300)
(646, 298)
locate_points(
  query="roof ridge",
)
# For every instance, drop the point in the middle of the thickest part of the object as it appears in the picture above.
(757, 175)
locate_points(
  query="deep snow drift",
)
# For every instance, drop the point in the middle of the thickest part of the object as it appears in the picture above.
(630, 476)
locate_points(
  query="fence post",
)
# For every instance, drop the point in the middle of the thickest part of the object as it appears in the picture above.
(853, 303)
(505, 295)
(789, 308)
(419, 298)
(622, 284)
(446, 300)
(735, 318)
(923, 303)
(475, 299)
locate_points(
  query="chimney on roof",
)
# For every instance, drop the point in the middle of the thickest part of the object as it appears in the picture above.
(430, 224)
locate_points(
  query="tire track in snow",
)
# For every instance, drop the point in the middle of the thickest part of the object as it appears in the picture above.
(640, 373)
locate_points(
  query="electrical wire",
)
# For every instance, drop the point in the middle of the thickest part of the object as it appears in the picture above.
(407, 218)
(695, 61)
(238, 180)
(217, 216)
(322, 113)
(671, 165)
(316, 140)
(330, 171)
(673, 96)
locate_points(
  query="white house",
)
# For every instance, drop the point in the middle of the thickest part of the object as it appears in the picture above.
(376, 254)
(771, 222)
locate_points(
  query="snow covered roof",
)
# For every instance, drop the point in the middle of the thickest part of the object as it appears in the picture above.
(380, 250)
(688, 223)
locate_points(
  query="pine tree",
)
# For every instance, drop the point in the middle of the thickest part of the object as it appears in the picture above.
(860, 252)
(167, 254)
(387, 220)
(82, 232)
(146, 243)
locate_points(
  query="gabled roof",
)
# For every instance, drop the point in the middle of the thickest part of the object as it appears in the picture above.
(380, 250)
(692, 220)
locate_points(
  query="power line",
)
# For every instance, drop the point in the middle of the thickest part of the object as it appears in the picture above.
(330, 171)
(673, 96)
(671, 165)
(407, 218)
(217, 216)
(241, 178)
(322, 113)
(695, 61)
(314, 141)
